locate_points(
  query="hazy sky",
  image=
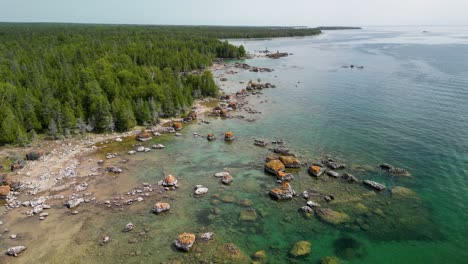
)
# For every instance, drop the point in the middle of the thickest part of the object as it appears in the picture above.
(239, 12)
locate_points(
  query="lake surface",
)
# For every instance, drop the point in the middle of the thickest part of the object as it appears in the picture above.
(408, 107)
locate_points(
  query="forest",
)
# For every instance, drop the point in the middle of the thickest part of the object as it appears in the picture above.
(65, 79)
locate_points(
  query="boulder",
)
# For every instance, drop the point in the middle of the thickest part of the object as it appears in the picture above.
(312, 204)
(300, 249)
(375, 185)
(283, 151)
(316, 170)
(307, 209)
(284, 192)
(332, 217)
(221, 174)
(260, 257)
(158, 146)
(207, 236)
(283, 176)
(132, 152)
(184, 241)
(349, 177)
(227, 179)
(4, 191)
(169, 181)
(261, 143)
(274, 166)
(290, 162)
(161, 207)
(334, 165)
(143, 136)
(129, 227)
(229, 136)
(113, 169)
(200, 190)
(210, 137)
(248, 215)
(141, 149)
(5, 180)
(34, 155)
(270, 158)
(333, 174)
(177, 126)
(74, 202)
(330, 260)
(15, 251)
(18, 165)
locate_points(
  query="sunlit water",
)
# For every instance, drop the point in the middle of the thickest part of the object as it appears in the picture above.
(407, 107)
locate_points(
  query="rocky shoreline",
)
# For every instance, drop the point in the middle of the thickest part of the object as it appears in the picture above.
(51, 181)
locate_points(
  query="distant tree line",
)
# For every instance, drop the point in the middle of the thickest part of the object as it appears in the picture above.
(63, 79)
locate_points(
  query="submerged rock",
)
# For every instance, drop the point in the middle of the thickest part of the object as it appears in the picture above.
(300, 249)
(393, 170)
(161, 207)
(283, 151)
(332, 217)
(284, 192)
(330, 260)
(15, 251)
(260, 257)
(375, 185)
(184, 241)
(333, 174)
(230, 253)
(207, 236)
(248, 215)
(349, 177)
(261, 143)
(316, 170)
(274, 166)
(403, 192)
(290, 162)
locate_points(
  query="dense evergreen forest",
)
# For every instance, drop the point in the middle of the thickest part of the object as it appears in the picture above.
(63, 79)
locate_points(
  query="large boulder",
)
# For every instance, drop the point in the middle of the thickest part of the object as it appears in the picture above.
(34, 155)
(4, 191)
(290, 162)
(375, 185)
(284, 192)
(161, 207)
(227, 179)
(184, 241)
(274, 166)
(316, 170)
(177, 126)
(15, 251)
(300, 249)
(332, 217)
(229, 136)
(143, 136)
(74, 202)
(169, 181)
(283, 176)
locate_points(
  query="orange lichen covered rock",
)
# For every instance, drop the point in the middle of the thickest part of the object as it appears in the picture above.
(185, 241)
(210, 136)
(316, 170)
(284, 192)
(4, 191)
(170, 180)
(229, 136)
(270, 158)
(290, 162)
(177, 126)
(283, 176)
(143, 136)
(274, 166)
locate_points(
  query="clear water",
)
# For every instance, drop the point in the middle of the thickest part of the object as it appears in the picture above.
(407, 107)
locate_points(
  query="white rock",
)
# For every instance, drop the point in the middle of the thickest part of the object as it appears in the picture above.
(141, 149)
(13, 236)
(221, 174)
(132, 152)
(15, 251)
(201, 190)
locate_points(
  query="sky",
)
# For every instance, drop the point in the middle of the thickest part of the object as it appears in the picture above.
(239, 12)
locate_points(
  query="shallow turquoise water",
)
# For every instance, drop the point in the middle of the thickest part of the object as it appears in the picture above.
(407, 107)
